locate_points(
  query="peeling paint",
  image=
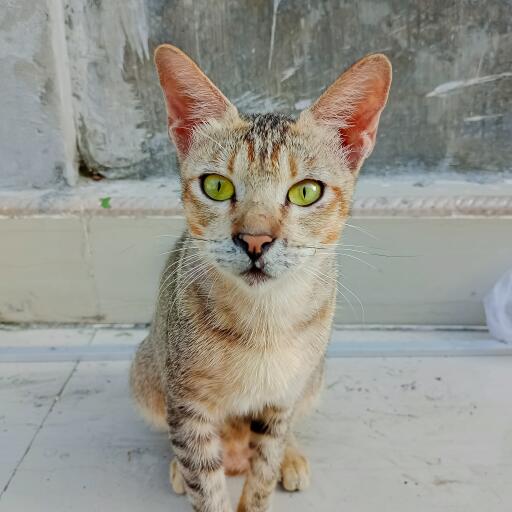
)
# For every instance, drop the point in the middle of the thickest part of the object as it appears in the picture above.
(273, 32)
(476, 119)
(251, 102)
(455, 85)
(292, 70)
(302, 104)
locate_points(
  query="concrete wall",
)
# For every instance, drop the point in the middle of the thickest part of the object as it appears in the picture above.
(78, 73)
(450, 107)
(37, 134)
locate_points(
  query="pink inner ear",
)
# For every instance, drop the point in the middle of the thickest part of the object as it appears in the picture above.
(176, 118)
(181, 118)
(353, 104)
(360, 134)
(191, 97)
(187, 110)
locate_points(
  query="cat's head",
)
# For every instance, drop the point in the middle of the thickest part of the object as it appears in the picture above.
(265, 194)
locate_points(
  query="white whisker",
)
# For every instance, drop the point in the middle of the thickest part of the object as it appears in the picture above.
(359, 259)
(362, 230)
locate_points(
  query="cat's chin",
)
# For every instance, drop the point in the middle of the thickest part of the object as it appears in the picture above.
(254, 276)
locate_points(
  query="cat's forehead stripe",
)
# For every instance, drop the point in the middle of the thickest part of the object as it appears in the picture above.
(292, 164)
(231, 163)
(265, 136)
(250, 149)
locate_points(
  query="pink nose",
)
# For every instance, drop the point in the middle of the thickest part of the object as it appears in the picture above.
(255, 243)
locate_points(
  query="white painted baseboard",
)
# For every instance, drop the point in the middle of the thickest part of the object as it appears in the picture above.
(436, 249)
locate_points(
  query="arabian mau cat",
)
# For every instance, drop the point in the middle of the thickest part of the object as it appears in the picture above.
(235, 355)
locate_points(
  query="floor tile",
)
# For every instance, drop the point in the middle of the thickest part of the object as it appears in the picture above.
(395, 434)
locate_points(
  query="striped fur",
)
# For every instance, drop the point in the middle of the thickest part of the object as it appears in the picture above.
(231, 363)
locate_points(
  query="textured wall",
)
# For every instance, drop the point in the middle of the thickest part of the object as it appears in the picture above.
(37, 138)
(450, 109)
(451, 103)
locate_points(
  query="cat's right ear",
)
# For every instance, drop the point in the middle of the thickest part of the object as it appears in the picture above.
(191, 97)
(353, 104)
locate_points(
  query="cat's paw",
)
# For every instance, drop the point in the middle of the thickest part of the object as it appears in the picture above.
(295, 473)
(175, 477)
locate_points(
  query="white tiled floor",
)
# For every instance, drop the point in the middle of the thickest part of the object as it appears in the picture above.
(391, 434)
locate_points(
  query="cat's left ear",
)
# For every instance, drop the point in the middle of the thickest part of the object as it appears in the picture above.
(353, 105)
(190, 96)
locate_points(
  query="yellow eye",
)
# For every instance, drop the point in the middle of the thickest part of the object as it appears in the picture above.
(217, 187)
(305, 192)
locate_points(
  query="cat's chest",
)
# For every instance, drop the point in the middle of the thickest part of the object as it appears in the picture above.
(258, 377)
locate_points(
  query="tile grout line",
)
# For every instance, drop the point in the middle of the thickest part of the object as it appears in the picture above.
(43, 421)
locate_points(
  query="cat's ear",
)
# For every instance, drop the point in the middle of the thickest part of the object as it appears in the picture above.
(190, 96)
(353, 105)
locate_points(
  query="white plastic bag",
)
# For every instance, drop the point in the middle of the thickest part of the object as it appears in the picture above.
(498, 308)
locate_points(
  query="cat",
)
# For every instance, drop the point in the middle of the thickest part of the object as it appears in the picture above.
(235, 353)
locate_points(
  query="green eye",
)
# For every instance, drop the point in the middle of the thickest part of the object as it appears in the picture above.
(305, 192)
(217, 187)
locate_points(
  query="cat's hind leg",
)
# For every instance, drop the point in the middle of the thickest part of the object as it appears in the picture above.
(146, 387)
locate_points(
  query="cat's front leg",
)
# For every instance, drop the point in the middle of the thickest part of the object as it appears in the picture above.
(269, 432)
(195, 440)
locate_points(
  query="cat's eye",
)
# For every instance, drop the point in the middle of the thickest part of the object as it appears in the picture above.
(217, 187)
(305, 192)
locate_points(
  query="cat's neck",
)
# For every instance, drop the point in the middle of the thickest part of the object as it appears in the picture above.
(271, 308)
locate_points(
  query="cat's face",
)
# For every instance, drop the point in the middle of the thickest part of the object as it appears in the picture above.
(273, 177)
(265, 195)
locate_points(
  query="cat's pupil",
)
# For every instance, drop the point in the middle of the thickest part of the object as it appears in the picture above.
(218, 186)
(304, 192)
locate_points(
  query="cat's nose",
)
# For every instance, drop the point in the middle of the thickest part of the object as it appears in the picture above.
(253, 245)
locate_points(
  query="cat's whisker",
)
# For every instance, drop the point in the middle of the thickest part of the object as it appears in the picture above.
(191, 237)
(354, 248)
(202, 133)
(362, 230)
(344, 254)
(338, 244)
(373, 267)
(378, 255)
(341, 253)
(336, 248)
(204, 239)
(214, 282)
(179, 286)
(199, 272)
(191, 258)
(358, 300)
(171, 252)
(337, 289)
(181, 249)
(298, 275)
(342, 250)
(349, 291)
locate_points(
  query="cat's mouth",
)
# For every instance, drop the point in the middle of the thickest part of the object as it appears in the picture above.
(255, 275)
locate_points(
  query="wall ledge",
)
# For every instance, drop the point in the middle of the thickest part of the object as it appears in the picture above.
(375, 197)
